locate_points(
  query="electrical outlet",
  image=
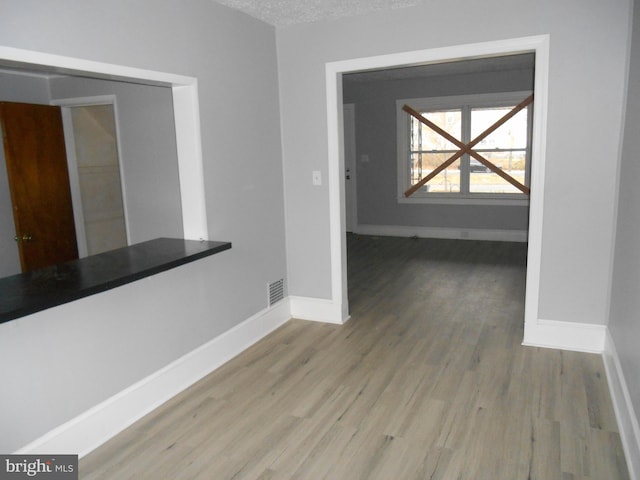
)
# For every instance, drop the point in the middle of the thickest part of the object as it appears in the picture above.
(317, 178)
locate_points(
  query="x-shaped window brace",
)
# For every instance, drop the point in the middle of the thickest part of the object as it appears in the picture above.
(468, 148)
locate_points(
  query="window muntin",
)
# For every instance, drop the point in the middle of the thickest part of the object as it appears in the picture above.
(464, 117)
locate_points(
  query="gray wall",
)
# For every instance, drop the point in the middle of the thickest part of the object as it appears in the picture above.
(376, 134)
(67, 359)
(148, 152)
(23, 88)
(14, 88)
(99, 345)
(624, 322)
(586, 79)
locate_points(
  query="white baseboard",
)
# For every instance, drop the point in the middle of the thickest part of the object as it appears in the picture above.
(579, 337)
(91, 429)
(590, 338)
(316, 309)
(100, 423)
(625, 414)
(436, 232)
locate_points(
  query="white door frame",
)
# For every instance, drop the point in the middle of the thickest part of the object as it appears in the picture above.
(66, 104)
(334, 70)
(351, 186)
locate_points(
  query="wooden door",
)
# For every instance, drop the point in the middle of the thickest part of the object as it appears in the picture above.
(39, 183)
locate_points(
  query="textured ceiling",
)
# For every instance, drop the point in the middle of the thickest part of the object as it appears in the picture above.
(290, 12)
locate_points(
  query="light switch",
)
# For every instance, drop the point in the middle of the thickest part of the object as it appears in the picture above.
(317, 178)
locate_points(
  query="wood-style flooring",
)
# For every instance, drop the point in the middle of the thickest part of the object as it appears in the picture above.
(428, 380)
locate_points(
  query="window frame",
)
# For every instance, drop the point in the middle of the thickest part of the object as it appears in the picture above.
(464, 103)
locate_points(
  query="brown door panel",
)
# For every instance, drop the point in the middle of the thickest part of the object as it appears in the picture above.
(39, 180)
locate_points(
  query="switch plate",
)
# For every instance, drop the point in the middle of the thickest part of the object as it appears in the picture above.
(317, 178)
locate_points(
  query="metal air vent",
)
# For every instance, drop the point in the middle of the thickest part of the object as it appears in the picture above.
(276, 291)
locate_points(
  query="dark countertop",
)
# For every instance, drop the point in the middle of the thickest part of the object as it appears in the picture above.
(27, 293)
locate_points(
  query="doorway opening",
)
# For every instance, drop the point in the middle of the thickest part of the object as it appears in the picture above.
(90, 186)
(95, 166)
(539, 46)
(184, 91)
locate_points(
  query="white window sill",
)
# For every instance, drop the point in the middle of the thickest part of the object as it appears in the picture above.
(464, 200)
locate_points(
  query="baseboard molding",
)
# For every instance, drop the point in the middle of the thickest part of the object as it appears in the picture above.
(590, 338)
(448, 233)
(316, 309)
(625, 414)
(579, 337)
(92, 428)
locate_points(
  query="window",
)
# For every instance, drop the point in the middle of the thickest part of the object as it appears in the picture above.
(466, 180)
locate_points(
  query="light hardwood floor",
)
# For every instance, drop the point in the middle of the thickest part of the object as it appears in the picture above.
(428, 380)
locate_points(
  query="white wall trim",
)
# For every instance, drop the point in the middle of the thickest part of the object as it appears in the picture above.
(74, 181)
(337, 218)
(538, 162)
(623, 407)
(438, 232)
(186, 110)
(333, 81)
(578, 337)
(92, 428)
(95, 426)
(316, 309)
(187, 121)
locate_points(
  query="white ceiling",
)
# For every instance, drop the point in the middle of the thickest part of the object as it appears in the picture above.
(290, 12)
